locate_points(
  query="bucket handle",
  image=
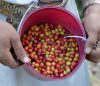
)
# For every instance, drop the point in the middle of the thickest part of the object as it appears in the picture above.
(79, 37)
(33, 4)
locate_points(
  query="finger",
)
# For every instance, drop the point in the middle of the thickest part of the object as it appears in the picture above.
(18, 49)
(91, 42)
(8, 60)
(94, 56)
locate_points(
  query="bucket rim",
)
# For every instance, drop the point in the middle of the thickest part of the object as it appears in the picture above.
(83, 33)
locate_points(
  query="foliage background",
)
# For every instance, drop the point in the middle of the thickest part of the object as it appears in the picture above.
(79, 5)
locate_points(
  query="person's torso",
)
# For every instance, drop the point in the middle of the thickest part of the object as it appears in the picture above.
(19, 77)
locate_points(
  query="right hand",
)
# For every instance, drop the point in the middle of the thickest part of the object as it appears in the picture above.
(91, 23)
(10, 39)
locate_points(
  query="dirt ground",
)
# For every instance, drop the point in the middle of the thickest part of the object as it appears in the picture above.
(94, 71)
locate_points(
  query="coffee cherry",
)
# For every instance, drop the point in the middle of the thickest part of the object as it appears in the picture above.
(48, 64)
(65, 73)
(52, 68)
(51, 54)
(58, 66)
(68, 63)
(53, 63)
(36, 65)
(61, 75)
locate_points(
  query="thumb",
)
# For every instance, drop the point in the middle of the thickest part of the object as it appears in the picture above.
(91, 42)
(18, 49)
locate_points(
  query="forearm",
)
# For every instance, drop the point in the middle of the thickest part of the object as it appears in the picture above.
(92, 5)
(91, 24)
(87, 3)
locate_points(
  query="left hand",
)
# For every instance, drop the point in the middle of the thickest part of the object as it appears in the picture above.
(91, 23)
(9, 39)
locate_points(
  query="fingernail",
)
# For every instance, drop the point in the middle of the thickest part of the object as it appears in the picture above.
(26, 60)
(87, 50)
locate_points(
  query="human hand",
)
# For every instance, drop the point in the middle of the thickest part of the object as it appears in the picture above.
(8, 39)
(91, 23)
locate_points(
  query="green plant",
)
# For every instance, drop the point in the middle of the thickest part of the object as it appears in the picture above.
(79, 6)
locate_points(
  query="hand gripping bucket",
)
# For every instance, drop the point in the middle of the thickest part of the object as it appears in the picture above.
(54, 15)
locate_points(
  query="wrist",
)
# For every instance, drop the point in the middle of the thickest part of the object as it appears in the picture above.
(86, 3)
(92, 9)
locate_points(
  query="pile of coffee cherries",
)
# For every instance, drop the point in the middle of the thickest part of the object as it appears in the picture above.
(52, 55)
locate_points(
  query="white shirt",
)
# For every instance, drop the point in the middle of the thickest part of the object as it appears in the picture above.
(19, 77)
